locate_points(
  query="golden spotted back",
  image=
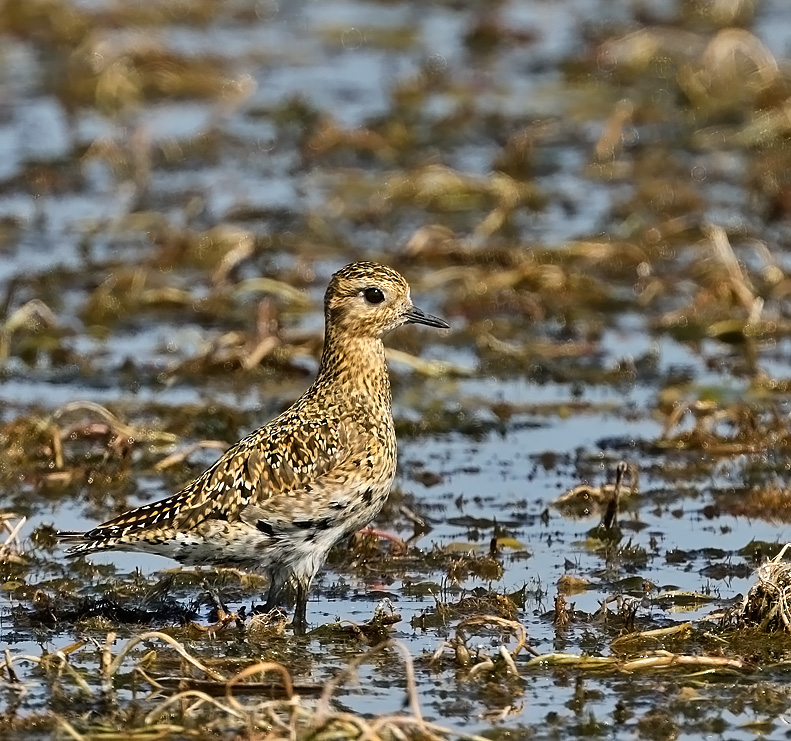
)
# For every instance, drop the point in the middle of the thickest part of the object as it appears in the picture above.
(282, 496)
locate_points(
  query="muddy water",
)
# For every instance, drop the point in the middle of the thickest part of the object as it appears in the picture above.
(155, 165)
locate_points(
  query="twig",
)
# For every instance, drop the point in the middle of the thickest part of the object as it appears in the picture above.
(482, 666)
(9, 664)
(116, 665)
(201, 698)
(137, 433)
(323, 705)
(13, 535)
(64, 665)
(105, 662)
(557, 659)
(517, 627)
(663, 659)
(509, 661)
(262, 667)
(149, 679)
(70, 730)
(23, 657)
(411, 684)
(57, 446)
(181, 455)
(430, 368)
(739, 282)
(658, 633)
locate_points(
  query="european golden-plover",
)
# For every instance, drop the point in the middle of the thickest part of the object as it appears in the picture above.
(280, 498)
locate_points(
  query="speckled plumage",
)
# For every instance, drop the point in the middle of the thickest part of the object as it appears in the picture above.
(281, 497)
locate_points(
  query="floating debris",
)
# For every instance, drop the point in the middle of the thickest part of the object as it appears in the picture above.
(767, 604)
(11, 549)
(587, 500)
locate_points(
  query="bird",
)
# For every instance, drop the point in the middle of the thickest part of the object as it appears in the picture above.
(280, 498)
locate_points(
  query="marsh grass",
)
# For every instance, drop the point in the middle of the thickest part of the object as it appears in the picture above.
(225, 703)
(766, 606)
(606, 228)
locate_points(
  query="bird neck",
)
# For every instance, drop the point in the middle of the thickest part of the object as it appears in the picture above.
(354, 367)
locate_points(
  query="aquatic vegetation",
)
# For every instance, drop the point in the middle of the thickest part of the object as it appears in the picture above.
(597, 199)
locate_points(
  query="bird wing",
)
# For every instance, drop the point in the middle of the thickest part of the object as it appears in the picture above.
(274, 461)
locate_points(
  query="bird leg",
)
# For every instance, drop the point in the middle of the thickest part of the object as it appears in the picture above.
(300, 621)
(273, 598)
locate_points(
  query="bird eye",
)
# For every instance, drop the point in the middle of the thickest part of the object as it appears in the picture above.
(373, 295)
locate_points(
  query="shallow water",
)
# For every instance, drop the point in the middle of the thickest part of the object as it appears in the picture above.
(586, 302)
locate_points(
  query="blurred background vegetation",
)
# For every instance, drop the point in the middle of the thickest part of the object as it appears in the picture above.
(595, 193)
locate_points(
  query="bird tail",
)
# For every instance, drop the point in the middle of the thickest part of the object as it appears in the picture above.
(69, 535)
(79, 543)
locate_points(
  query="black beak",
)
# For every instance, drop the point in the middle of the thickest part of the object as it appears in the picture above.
(416, 316)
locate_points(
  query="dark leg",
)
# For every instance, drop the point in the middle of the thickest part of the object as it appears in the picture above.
(276, 584)
(300, 621)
